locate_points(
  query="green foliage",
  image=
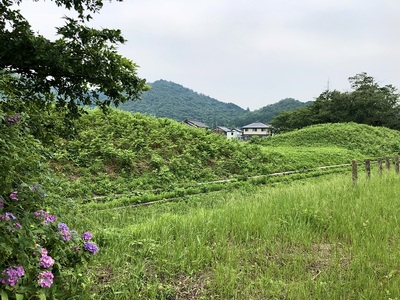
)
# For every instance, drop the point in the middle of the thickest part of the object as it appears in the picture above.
(368, 103)
(22, 157)
(24, 161)
(148, 152)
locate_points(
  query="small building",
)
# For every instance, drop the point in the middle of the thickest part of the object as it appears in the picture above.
(195, 123)
(257, 129)
(229, 133)
(236, 134)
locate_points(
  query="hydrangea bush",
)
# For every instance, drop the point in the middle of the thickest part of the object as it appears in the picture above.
(40, 257)
(37, 252)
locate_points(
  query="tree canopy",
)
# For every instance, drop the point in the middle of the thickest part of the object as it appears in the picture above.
(73, 69)
(367, 103)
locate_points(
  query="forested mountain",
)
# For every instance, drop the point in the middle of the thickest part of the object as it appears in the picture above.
(267, 113)
(171, 100)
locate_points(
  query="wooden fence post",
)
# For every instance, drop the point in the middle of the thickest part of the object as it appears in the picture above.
(380, 165)
(354, 168)
(368, 168)
(396, 163)
(387, 163)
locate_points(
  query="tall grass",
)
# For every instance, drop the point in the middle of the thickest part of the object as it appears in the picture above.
(320, 239)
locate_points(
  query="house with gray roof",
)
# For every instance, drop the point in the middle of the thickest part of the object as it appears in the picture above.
(195, 123)
(256, 129)
(229, 133)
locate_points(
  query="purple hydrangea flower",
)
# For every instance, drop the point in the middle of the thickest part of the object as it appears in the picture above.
(13, 274)
(65, 232)
(7, 216)
(13, 119)
(46, 261)
(14, 196)
(91, 247)
(63, 226)
(44, 215)
(45, 279)
(87, 236)
(18, 225)
(50, 219)
(66, 235)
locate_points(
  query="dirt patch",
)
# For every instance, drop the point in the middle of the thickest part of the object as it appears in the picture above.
(111, 171)
(191, 287)
(323, 255)
(104, 275)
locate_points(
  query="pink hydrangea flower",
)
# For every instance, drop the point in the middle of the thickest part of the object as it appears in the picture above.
(13, 275)
(14, 196)
(45, 279)
(46, 261)
(44, 215)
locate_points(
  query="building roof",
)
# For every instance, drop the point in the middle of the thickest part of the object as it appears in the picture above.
(195, 123)
(257, 125)
(223, 128)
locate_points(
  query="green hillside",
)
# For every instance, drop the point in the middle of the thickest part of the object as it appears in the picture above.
(122, 152)
(171, 100)
(267, 113)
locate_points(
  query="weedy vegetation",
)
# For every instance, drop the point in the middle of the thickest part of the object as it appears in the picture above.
(264, 237)
(309, 239)
(182, 213)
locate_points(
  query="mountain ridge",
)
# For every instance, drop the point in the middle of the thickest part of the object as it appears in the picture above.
(171, 100)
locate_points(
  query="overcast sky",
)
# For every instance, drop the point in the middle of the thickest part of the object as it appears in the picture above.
(250, 52)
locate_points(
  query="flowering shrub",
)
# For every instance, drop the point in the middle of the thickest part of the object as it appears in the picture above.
(12, 274)
(38, 256)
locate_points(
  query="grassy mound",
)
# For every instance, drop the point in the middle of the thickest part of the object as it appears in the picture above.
(122, 151)
(370, 141)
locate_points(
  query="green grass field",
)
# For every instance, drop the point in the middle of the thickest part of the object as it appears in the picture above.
(286, 237)
(321, 238)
